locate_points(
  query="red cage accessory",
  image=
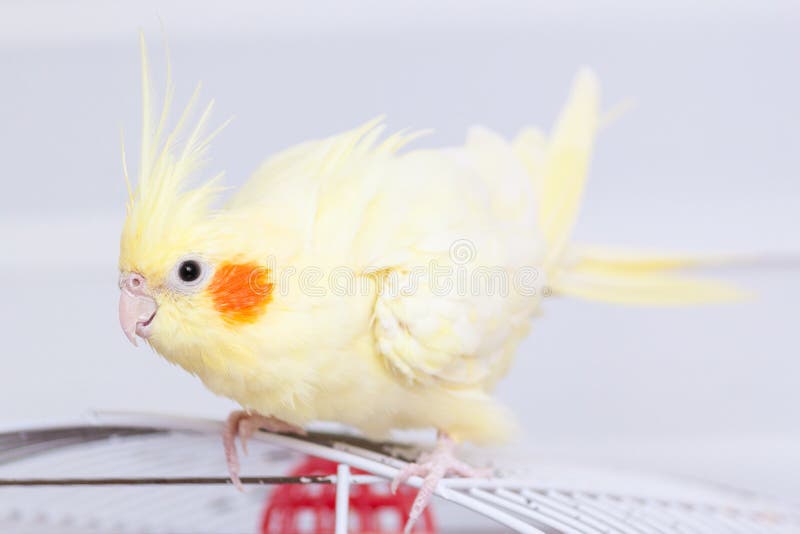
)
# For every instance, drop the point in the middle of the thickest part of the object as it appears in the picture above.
(311, 508)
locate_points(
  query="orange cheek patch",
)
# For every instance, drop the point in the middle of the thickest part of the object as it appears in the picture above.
(240, 291)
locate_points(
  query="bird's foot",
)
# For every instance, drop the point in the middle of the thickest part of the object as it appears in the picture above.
(243, 425)
(432, 467)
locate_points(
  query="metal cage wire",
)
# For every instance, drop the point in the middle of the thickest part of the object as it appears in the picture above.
(527, 500)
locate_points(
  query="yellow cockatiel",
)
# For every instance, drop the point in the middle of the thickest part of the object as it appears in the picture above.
(356, 280)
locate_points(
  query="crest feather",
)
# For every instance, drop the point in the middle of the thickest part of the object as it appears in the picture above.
(162, 204)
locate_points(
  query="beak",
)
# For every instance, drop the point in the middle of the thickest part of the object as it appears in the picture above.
(137, 308)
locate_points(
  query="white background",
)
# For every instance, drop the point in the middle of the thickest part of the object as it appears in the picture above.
(706, 161)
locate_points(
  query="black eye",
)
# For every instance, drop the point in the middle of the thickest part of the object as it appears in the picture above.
(189, 271)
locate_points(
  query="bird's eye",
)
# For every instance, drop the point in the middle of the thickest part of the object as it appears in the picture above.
(189, 270)
(189, 273)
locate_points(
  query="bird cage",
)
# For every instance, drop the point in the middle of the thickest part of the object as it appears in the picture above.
(146, 473)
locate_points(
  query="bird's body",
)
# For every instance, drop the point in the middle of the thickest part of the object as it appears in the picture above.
(341, 225)
(356, 280)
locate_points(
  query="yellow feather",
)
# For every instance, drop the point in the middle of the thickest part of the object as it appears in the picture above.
(641, 288)
(125, 170)
(567, 162)
(162, 205)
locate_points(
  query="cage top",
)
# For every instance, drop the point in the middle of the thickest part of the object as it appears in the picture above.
(168, 453)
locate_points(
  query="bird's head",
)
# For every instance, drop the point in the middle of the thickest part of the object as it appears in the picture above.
(179, 282)
(183, 272)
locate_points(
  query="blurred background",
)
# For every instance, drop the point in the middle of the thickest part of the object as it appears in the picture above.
(706, 160)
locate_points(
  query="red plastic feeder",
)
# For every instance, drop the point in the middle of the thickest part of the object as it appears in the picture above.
(311, 508)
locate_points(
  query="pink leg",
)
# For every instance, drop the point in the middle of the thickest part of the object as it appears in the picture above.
(432, 467)
(243, 425)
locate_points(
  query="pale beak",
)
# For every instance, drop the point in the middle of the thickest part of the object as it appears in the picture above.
(137, 308)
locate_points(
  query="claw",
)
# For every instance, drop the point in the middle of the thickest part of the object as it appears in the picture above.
(410, 470)
(243, 425)
(432, 467)
(229, 444)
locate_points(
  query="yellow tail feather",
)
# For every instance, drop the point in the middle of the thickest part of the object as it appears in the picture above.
(558, 166)
(640, 279)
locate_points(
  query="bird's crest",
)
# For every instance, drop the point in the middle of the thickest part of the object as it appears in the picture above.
(161, 206)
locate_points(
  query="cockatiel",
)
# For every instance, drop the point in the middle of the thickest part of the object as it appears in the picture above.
(355, 280)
